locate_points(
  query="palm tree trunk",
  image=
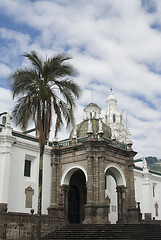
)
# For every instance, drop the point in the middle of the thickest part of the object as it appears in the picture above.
(40, 180)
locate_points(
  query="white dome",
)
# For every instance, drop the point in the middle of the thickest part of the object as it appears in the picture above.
(111, 97)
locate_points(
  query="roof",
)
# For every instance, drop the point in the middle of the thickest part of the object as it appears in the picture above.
(82, 129)
(111, 97)
(92, 105)
(3, 113)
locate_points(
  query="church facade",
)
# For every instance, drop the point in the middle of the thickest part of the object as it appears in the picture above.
(91, 177)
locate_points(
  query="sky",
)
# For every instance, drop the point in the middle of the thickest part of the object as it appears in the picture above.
(113, 44)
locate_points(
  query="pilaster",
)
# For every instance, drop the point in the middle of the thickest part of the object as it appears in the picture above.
(6, 142)
(54, 164)
(101, 180)
(90, 183)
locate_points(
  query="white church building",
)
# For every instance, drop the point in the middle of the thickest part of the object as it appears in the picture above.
(19, 167)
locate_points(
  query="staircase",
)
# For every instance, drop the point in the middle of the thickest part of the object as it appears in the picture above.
(110, 231)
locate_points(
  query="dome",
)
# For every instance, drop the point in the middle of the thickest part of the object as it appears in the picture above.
(92, 105)
(111, 97)
(82, 129)
(92, 111)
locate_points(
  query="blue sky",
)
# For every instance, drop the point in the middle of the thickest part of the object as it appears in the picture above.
(113, 44)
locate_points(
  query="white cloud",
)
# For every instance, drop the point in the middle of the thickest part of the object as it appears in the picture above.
(113, 45)
(4, 70)
(5, 100)
(20, 39)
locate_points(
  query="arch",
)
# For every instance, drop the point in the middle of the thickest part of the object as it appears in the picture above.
(116, 172)
(68, 173)
(115, 193)
(77, 197)
(4, 120)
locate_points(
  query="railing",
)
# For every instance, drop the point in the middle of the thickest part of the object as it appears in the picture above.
(68, 142)
(121, 145)
(108, 140)
(65, 143)
(81, 140)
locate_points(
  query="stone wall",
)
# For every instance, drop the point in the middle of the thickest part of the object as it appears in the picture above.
(16, 226)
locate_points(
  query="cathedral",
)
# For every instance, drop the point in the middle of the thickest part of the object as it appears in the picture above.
(92, 177)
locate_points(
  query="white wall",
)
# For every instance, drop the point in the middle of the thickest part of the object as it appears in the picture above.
(144, 192)
(28, 150)
(15, 149)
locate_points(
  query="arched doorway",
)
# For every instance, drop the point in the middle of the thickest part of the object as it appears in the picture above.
(75, 178)
(76, 197)
(115, 186)
(73, 205)
(110, 192)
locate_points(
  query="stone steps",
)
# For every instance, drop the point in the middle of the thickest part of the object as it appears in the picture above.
(110, 231)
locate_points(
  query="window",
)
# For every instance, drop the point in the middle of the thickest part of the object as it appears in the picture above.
(106, 119)
(113, 208)
(27, 169)
(114, 118)
(105, 182)
(4, 120)
(121, 119)
(154, 189)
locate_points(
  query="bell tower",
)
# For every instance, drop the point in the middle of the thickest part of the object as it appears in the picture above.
(114, 119)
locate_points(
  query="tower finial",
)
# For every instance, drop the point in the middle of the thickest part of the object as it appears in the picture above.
(111, 89)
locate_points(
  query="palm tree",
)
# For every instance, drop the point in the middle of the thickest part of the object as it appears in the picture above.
(44, 89)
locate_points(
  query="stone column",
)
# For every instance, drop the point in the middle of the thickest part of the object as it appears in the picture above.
(53, 204)
(54, 185)
(133, 213)
(103, 206)
(89, 207)
(101, 180)
(130, 185)
(121, 204)
(90, 183)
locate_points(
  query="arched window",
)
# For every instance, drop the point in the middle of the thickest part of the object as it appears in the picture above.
(121, 118)
(106, 119)
(4, 120)
(114, 118)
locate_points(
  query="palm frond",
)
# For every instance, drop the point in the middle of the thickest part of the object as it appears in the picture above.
(70, 85)
(41, 88)
(23, 81)
(67, 112)
(60, 67)
(35, 60)
(22, 112)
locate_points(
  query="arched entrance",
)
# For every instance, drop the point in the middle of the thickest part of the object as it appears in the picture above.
(115, 188)
(73, 205)
(110, 192)
(76, 178)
